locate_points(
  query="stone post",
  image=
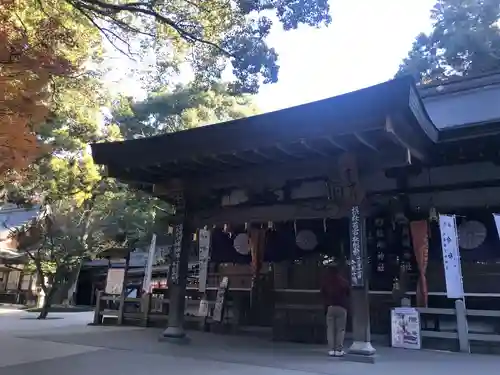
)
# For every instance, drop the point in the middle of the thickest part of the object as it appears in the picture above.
(178, 275)
(361, 349)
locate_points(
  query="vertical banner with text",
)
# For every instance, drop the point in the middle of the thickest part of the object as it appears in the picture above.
(175, 256)
(451, 256)
(357, 253)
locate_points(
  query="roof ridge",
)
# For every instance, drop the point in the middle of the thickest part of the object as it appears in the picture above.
(459, 85)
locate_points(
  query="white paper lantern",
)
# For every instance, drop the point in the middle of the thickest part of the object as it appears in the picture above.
(306, 240)
(241, 244)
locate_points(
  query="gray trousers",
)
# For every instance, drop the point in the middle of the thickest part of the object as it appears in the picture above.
(336, 319)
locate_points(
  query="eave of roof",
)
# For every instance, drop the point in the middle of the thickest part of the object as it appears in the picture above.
(362, 111)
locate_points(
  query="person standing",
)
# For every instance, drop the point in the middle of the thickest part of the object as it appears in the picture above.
(335, 294)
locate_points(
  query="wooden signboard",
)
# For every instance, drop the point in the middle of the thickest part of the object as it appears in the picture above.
(176, 254)
(114, 281)
(220, 301)
(357, 255)
(203, 309)
(204, 258)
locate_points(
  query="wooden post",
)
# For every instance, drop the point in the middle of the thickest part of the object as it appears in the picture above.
(361, 349)
(178, 275)
(98, 309)
(123, 294)
(146, 308)
(462, 326)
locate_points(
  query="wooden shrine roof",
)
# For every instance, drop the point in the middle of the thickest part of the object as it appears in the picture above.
(355, 122)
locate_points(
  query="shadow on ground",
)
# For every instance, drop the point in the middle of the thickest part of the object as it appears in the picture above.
(267, 354)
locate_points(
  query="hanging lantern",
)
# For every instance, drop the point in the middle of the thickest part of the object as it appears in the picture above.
(306, 240)
(270, 225)
(241, 244)
(433, 215)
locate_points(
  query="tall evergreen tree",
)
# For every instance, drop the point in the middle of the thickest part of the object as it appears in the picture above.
(465, 40)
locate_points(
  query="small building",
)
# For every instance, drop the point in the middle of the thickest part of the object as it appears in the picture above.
(356, 179)
(19, 228)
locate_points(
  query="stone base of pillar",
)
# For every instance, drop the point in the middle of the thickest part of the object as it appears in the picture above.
(362, 352)
(175, 335)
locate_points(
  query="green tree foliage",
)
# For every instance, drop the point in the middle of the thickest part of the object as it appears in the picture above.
(89, 212)
(208, 33)
(184, 107)
(465, 40)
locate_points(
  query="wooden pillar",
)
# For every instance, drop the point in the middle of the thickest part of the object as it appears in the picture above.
(123, 294)
(98, 309)
(361, 348)
(178, 265)
(146, 308)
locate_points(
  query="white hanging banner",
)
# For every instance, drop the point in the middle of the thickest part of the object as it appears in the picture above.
(497, 222)
(204, 258)
(148, 270)
(451, 256)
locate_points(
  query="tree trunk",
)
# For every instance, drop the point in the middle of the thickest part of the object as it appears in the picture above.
(47, 303)
(71, 292)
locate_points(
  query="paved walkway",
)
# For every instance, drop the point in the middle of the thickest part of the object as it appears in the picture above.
(66, 345)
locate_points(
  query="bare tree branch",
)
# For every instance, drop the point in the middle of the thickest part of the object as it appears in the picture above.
(145, 8)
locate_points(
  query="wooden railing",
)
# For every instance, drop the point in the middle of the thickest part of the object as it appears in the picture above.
(145, 315)
(460, 315)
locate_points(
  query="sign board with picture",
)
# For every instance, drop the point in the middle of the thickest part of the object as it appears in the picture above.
(114, 281)
(405, 328)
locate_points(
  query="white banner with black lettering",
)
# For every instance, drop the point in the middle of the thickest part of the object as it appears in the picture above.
(451, 256)
(497, 222)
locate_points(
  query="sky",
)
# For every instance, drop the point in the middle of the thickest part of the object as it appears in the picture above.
(363, 46)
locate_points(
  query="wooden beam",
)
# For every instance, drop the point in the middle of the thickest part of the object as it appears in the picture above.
(271, 175)
(262, 155)
(243, 159)
(283, 150)
(336, 144)
(314, 209)
(219, 160)
(241, 215)
(204, 164)
(312, 149)
(366, 142)
(408, 140)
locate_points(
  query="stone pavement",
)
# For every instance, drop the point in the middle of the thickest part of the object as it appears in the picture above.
(66, 345)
